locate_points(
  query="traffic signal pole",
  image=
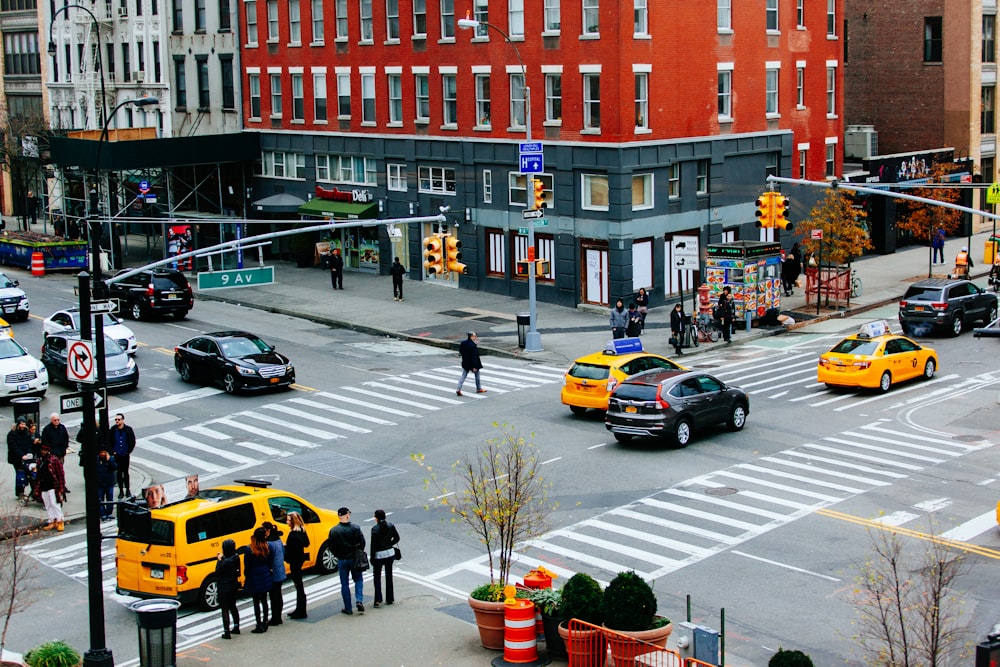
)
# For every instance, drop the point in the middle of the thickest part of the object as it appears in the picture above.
(533, 339)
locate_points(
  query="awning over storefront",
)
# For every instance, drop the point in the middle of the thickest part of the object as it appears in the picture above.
(340, 210)
(279, 203)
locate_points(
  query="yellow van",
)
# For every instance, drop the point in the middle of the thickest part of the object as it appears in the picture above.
(171, 551)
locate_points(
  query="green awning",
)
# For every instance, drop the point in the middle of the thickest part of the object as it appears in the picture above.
(340, 210)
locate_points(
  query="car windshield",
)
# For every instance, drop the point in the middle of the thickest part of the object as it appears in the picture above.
(243, 347)
(111, 348)
(590, 371)
(917, 293)
(861, 346)
(6, 282)
(110, 320)
(10, 349)
(636, 392)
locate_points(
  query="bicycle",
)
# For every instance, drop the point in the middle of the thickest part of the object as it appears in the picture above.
(704, 329)
(855, 284)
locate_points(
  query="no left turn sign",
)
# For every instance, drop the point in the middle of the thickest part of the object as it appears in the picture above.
(80, 362)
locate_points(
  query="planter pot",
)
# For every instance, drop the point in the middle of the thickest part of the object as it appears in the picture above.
(625, 646)
(490, 621)
(586, 648)
(554, 643)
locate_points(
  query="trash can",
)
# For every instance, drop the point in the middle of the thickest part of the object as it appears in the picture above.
(686, 337)
(989, 252)
(523, 323)
(157, 621)
(27, 407)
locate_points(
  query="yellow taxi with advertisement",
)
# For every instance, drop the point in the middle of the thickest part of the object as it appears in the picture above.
(591, 379)
(875, 358)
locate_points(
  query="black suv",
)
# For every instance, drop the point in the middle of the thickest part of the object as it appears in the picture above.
(945, 303)
(153, 292)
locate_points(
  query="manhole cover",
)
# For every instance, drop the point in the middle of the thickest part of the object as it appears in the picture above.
(967, 438)
(721, 491)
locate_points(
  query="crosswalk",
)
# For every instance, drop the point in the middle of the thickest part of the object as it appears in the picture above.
(704, 515)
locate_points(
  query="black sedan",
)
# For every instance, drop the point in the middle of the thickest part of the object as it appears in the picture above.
(673, 404)
(236, 360)
(120, 369)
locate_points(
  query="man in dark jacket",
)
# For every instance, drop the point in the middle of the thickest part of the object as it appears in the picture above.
(227, 572)
(18, 446)
(121, 442)
(56, 437)
(106, 468)
(397, 271)
(470, 362)
(336, 269)
(345, 538)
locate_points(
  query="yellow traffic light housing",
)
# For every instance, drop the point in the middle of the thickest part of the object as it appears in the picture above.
(765, 210)
(542, 267)
(780, 208)
(538, 188)
(433, 255)
(522, 268)
(452, 255)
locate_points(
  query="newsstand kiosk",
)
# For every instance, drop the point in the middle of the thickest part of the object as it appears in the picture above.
(751, 269)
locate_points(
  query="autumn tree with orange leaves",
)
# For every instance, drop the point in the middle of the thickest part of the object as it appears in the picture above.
(844, 234)
(920, 219)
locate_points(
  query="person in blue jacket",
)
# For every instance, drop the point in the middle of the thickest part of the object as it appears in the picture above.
(258, 564)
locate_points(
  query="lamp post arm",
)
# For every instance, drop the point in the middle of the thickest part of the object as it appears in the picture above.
(100, 58)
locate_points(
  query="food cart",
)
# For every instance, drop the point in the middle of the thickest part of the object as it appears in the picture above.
(751, 269)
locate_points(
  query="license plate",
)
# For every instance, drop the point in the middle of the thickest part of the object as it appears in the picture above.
(275, 380)
(22, 387)
(156, 573)
(918, 308)
(170, 297)
(631, 409)
(10, 309)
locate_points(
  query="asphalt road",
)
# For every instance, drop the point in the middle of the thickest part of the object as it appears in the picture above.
(769, 523)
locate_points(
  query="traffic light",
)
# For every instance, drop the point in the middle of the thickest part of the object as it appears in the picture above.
(780, 205)
(522, 268)
(542, 267)
(433, 257)
(988, 652)
(453, 253)
(765, 210)
(538, 188)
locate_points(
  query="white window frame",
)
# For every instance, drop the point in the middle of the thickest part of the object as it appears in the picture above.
(551, 98)
(366, 22)
(831, 18)
(422, 98)
(484, 110)
(317, 22)
(290, 165)
(591, 18)
(800, 84)
(642, 264)
(517, 100)
(487, 186)
(674, 180)
(701, 177)
(641, 99)
(447, 11)
(395, 176)
(496, 253)
(515, 18)
(272, 21)
(394, 83)
(436, 180)
(772, 17)
(640, 18)
(800, 14)
(319, 93)
(392, 21)
(724, 16)
(368, 112)
(772, 76)
(343, 95)
(253, 30)
(298, 98)
(275, 80)
(646, 183)
(449, 99)
(803, 159)
(589, 102)
(725, 92)
(588, 182)
(253, 83)
(517, 188)
(294, 23)
(340, 12)
(481, 13)
(830, 167)
(831, 89)
(551, 21)
(419, 19)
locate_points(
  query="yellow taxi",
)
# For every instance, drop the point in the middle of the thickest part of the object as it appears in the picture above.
(875, 358)
(6, 329)
(591, 379)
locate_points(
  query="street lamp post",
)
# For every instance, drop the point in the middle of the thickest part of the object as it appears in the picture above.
(100, 60)
(533, 339)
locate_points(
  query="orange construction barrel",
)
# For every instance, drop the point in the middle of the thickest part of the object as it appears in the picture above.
(538, 579)
(37, 264)
(519, 641)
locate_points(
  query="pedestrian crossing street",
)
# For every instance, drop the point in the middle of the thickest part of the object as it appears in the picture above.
(700, 517)
(308, 421)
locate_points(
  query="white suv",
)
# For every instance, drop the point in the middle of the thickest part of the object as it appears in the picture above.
(13, 301)
(22, 374)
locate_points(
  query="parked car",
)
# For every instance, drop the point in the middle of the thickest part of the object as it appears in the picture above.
(6, 329)
(673, 404)
(120, 369)
(945, 304)
(153, 292)
(236, 360)
(23, 375)
(13, 301)
(68, 319)
(591, 379)
(875, 362)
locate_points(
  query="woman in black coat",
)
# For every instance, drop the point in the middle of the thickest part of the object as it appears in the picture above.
(295, 556)
(384, 538)
(677, 327)
(258, 563)
(227, 573)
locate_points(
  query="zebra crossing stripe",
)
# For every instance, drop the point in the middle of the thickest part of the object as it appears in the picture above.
(740, 378)
(410, 392)
(378, 407)
(392, 399)
(722, 502)
(645, 536)
(774, 485)
(205, 449)
(886, 450)
(774, 500)
(824, 471)
(676, 526)
(848, 464)
(282, 438)
(312, 416)
(147, 446)
(923, 438)
(798, 478)
(339, 411)
(206, 432)
(316, 433)
(698, 514)
(806, 372)
(583, 557)
(901, 442)
(149, 464)
(863, 457)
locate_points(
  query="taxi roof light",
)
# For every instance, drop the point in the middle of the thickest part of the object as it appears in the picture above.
(258, 483)
(623, 346)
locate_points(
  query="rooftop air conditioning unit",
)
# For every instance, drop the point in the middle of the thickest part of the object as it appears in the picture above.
(860, 141)
(139, 76)
(123, 12)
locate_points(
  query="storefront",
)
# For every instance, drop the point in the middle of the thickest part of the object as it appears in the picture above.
(359, 246)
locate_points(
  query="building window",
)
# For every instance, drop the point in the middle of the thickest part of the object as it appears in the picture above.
(346, 169)
(367, 98)
(201, 63)
(517, 106)
(771, 92)
(480, 12)
(831, 18)
(515, 18)
(251, 7)
(199, 15)
(422, 96)
(701, 179)
(439, 180)
(641, 100)
(551, 16)
(367, 29)
(420, 18)
(396, 99)
(449, 94)
(800, 13)
(989, 38)
(553, 97)
(831, 160)
(395, 177)
(803, 161)
(317, 21)
(392, 20)
(495, 258)
(279, 164)
(725, 94)
(487, 186)
(298, 98)
(725, 15)
(932, 39)
(640, 17)
(343, 95)
(21, 54)
(294, 22)
(800, 87)
(483, 100)
(275, 96)
(591, 101)
(771, 12)
(180, 77)
(591, 17)
(771, 165)
(595, 192)
(447, 19)
(178, 12)
(341, 18)
(272, 21)
(831, 91)
(156, 61)
(674, 180)
(987, 116)
(254, 81)
(517, 191)
(225, 18)
(319, 97)
(642, 191)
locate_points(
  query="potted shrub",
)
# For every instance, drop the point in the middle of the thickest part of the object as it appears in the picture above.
(53, 654)
(581, 600)
(629, 607)
(785, 658)
(548, 601)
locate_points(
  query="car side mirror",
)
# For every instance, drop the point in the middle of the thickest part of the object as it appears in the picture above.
(16, 283)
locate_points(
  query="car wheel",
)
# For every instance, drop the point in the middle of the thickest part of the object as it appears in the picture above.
(208, 596)
(326, 562)
(229, 384)
(623, 437)
(682, 432)
(929, 369)
(737, 417)
(577, 410)
(180, 314)
(885, 382)
(956, 324)
(713, 335)
(185, 370)
(992, 315)
(136, 311)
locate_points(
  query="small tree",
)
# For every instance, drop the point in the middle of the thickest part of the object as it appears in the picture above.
(16, 570)
(501, 495)
(922, 220)
(844, 234)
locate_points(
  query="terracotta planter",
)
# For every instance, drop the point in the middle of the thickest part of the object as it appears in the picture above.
(625, 646)
(586, 648)
(490, 621)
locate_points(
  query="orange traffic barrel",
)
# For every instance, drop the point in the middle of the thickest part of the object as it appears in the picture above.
(519, 641)
(37, 264)
(538, 579)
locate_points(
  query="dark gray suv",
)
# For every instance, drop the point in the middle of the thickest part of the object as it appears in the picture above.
(673, 404)
(153, 292)
(945, 304)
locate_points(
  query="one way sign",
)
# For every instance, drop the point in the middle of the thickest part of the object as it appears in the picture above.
(80, 365)
(74, 402)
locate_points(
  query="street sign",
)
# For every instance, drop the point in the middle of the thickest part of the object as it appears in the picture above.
(993, 193)
(261, 275)
(816, 234)
(80, 366)
(150, 198)
(532, 213)
(537, 223)
(532, 163)
(74, 402)
(143, 187)
(530, 147)
(104, 307)
(684, 252)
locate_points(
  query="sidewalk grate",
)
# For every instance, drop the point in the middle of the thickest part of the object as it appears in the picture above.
(341, 466)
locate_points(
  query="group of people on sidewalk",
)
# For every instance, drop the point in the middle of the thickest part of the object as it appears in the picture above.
(263, 562)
